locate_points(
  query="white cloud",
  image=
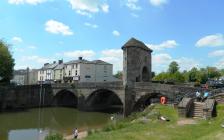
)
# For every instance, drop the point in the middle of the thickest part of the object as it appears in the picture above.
(87, 7)
(211, 41)
(90, 25)
(132, 4)
(105, 8)
(158, 2)
(32, 47)
(162, 58)
(56, 27)
(187, 63)
(116, 33)
(220, 63)
(112, 53)
(134, 15)
(86, 54)
(115, 57)
(160, 62)
(17, 40)
(216, 53)
(37, 59)
(163, 45)
(32, 2)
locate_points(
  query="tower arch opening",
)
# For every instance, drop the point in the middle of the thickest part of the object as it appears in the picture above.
(145, 74)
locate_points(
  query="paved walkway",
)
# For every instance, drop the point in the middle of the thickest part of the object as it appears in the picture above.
(81, 135)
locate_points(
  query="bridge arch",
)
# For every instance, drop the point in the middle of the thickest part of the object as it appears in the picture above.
(104, 100)
(65, 98)
(146, 99)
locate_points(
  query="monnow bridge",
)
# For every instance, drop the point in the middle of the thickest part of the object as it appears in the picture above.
(135, 91)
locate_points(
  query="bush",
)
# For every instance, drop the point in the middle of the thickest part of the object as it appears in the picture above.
(54, 137)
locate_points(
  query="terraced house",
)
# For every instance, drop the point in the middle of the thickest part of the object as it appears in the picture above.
(82, 70)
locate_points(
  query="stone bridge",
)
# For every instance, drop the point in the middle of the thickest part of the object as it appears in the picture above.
(99, 96)
(135, 91)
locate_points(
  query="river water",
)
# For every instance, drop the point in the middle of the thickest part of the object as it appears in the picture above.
(34, 124)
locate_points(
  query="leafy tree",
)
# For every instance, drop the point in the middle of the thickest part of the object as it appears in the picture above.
(153, 74)
(213, 72)
(194, 75)
(178, 77)
(173, 67)
(119, 75)
(203, 76)
(6, 62)
(161, 77)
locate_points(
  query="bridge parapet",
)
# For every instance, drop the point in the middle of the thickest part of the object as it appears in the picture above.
(100, 85)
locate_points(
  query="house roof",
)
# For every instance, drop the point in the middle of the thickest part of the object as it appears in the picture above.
(87, 62)
(59, 67)
(77, 61)
(50, 66)
(136, 43)
(100, 62)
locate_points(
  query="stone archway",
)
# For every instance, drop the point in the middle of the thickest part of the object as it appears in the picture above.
(146, 100)
(104, 100)
(145, 74)
(65, 98)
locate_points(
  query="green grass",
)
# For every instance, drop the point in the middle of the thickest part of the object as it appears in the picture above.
(146, 126)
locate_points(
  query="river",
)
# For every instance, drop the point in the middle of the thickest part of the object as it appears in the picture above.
(34, 124)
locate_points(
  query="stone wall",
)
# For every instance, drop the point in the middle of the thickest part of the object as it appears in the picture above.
(26, 96)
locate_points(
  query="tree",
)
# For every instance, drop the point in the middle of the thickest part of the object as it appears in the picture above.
(213, 72)
(119, 75)
(161, 77)
(194, 75)
(6, 62)
(173, 67)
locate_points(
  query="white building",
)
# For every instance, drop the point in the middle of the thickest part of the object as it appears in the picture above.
(59, 72)
(20, 77)
(87, 71)
(46, 73)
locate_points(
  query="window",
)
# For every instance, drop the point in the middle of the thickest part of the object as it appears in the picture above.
(69, 73)
(105, 67)
(73, 66)
(87, 76)
(76, 66)
(76, 73)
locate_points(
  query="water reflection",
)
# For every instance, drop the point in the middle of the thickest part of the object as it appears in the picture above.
(27, 125)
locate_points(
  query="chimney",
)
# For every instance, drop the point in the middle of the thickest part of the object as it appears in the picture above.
(54, 62)
(80, 58)
(60, 61)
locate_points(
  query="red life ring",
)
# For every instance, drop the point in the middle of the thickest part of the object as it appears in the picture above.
(163, 100)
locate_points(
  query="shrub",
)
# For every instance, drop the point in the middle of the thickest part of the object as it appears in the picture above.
(54, 137)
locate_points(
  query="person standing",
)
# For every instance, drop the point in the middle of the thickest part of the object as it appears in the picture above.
(75, 133)
(198, 96)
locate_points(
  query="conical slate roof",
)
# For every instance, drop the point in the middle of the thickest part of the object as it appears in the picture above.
(135, 43)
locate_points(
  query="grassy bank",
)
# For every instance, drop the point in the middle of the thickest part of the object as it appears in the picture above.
(145, 125)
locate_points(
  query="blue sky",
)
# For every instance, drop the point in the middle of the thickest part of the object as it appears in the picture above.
(188, 31)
